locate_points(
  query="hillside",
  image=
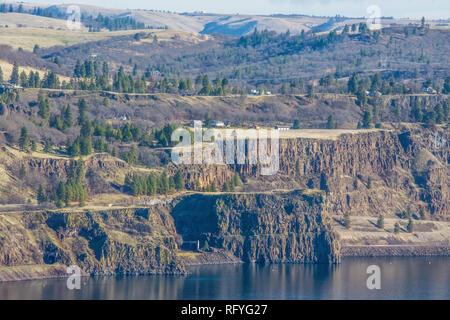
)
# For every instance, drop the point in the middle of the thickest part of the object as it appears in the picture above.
(229, 24)
(88, 121)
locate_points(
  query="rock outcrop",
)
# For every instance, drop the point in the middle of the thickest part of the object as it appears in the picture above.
(369, 173)
(126, 241)
(259, 228)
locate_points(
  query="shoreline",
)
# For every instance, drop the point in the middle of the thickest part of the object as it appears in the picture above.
(395, 251)
(47, 272)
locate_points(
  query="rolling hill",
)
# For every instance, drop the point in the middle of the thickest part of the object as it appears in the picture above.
(229, 24)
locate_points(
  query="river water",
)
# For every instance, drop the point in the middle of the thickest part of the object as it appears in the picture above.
(401, 278)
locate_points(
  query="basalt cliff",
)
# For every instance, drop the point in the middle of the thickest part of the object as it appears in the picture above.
(294, 216)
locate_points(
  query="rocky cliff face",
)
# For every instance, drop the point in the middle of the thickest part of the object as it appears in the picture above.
(368, 174)
(251, 228)
(259, 228)
(127, 241)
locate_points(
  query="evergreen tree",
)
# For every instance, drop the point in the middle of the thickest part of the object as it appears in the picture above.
(446, 89)
(164, 183)
(410, 226)
(48, 147)
(41, 196)
(82, 109)
(24, 141)
(367, 120)
(352, 85)
(23, 79)
(179, 181)
(237, 180)
(44, 107)
(310, 93)
(15, 74)
(380, 222)
(416, 112)
(1, 75)
(85, 145)
(74, 149)
(396, 228)
(422, 214)
(67, 117)
(439, 113)
(127, 136)
(331, 124)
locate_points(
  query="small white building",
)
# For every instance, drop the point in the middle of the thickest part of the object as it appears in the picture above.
(430, 90)
(282, 128)
(218, 124)
(8, 85)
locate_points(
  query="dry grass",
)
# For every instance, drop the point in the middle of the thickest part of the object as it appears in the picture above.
(364, 231)
(8, 67)
(27, 38)
(22, 20)
(31, 272)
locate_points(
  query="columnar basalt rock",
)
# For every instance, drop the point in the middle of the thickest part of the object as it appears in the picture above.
(125, 241)
(260, 228)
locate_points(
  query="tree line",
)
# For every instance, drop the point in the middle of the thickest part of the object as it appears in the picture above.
(153, 184)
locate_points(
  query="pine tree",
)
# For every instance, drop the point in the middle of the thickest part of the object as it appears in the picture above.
(407, 213)
(396, 228)
(44, 107)
(164, 183)
(67, 117)
(24, 141)
(41, 196)
(446, 89)
(48, 147)
(82, 109)
(352, 85)
(310, 93)
(410, 226)
(237, 180)
(85, 145)
(416, 112)
(15, 74)
(23, 79)
(73, 149)
(179, 181)
(331, 124)
(367, 120)
(380, 222)
(422, 214)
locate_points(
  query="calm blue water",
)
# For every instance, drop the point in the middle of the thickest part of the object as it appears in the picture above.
(401, 278)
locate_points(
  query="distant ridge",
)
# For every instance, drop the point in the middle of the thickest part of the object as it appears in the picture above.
(227, 24)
